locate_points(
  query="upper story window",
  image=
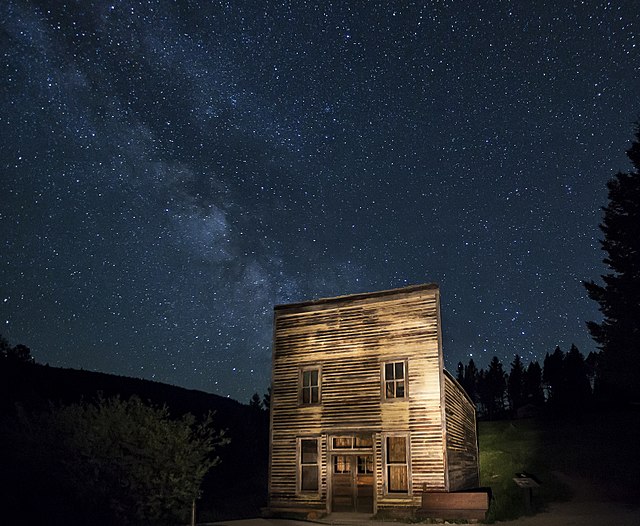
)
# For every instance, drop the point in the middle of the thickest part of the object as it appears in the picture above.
(310, 386)
(395, 383)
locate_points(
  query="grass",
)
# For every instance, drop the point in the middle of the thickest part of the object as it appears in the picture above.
(600, 447)
(510, 447)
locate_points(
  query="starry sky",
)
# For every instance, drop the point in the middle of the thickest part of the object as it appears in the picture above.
(171, 170)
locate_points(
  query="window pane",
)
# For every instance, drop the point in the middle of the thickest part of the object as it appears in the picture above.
(365, 465)
(341, 464)
(314, 377)
(396, 450)
(390, 390)
(309, 480)
(306, 378)
(342, 442)
(397, 478)
(388, 371)
(314, 395)
(309, 451)
(364, 441)
(306, 395)
(400, 390)
(399, 370)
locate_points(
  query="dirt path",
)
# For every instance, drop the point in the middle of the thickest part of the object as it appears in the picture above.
(588, 507)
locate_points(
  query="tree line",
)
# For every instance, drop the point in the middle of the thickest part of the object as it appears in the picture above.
(568, 381)
(564, 382)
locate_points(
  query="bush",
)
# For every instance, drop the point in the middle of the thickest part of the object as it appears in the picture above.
(122, 460)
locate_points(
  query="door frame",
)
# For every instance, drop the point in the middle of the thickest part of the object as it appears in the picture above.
(352, 457)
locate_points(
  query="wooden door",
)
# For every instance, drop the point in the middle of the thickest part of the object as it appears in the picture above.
(352, 483)
(364, 483)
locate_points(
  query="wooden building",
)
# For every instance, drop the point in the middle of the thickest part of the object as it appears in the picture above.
(363, 415)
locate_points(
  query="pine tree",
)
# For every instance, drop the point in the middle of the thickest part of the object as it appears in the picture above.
(491, 389)
(471, 380)
(515, 384)
(460, 374)
(553, 376)
(578, 388)
(533, 384)
(618, 335)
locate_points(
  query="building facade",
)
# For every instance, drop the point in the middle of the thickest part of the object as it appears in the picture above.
(363, 415)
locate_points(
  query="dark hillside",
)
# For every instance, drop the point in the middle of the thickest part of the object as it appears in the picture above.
(236, 487)
(34, 385)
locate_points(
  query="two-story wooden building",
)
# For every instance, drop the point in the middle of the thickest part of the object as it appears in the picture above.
(363, 415)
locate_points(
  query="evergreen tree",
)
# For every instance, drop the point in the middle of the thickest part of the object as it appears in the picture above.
(460, 374)
(266, 400)
(515, 384)
(552, 375)
(491, 389)
(578, 388)
(533, 393)
(618, 335)
(471, 380)
(255, 403)
(592, 361)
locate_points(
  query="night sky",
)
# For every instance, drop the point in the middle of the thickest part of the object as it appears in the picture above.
(171, 170)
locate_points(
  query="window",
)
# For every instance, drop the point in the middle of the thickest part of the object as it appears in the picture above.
(308, 466)
(365, 465)
(310, 386)
(394, 380)
(352, 442)
(341, 464)
(396, 464)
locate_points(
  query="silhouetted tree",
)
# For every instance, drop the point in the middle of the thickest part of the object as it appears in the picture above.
(470, 383)
(552, 375)
(533, 384)
(127, 461)
(19, 353)
(618, 335)
(592, 362)
(4, 347)
(460, 373)
(266, 399)
(491, 389)
(255, 402)
(577, 386)
(515, 384)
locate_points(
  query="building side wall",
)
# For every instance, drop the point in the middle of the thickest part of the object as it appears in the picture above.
(461, 438)
(349, 341)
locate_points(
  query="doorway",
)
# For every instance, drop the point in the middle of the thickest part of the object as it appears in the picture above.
(352, 483)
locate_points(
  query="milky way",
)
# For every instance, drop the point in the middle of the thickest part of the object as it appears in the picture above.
(171, 170)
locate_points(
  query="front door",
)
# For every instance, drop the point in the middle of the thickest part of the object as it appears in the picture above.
(352, 483)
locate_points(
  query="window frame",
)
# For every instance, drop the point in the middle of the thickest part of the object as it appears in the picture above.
(302, 387)
(354, 444)
(384, 381)
(300, 465)
(387, 464)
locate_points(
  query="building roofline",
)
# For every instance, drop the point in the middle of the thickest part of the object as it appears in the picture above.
(320, 302)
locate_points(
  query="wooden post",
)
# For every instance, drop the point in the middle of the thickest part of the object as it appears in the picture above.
(193, 513)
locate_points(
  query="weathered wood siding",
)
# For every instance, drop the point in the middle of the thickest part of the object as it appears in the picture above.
(349, 338)
(462, 441)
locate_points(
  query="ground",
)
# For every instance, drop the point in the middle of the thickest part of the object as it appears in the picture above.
(588, 506)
